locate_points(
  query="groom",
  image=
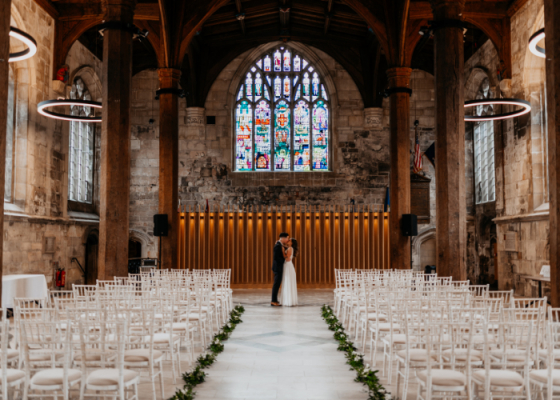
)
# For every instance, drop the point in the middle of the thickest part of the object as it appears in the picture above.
(278, 266)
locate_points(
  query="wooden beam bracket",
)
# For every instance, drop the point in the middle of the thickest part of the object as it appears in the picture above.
(447, 23)
(118, 25)
(390, 91)
(178, 92)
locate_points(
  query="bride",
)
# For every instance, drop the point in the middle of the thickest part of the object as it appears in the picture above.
(288, 296)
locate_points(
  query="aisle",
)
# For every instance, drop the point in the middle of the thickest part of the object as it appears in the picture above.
(281, 353)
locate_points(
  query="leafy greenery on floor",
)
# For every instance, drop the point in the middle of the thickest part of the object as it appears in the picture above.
(356, 360)
(197, 375)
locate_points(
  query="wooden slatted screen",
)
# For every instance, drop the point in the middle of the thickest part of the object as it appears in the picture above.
(242, 239)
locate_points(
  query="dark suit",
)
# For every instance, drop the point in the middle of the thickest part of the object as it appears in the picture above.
(278, 269)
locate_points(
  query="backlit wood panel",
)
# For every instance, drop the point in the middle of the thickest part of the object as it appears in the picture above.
(329, 237)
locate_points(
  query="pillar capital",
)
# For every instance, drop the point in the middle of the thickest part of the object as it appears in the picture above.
(399, 77)
(169, 78)
(373, 118)
(195, 116)
(119, 10)
(448, 9)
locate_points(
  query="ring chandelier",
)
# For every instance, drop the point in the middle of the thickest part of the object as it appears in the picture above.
(28, 40)
(44, 105)
(533, 47)
(487, 102)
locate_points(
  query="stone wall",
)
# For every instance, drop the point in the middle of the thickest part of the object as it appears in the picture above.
(359, 159)
(144, 168)
(481, 230)
(360, 155)
(38, 208)
(525, 212)
(422, 108)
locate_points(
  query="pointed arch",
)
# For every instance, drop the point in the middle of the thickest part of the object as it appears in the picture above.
(282, 108)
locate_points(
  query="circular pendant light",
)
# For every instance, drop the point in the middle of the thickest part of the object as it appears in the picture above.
(490, 102)
(44, 105)
(26, 39)
(533, 44)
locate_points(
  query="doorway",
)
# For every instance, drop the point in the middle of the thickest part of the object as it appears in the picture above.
(92, 246)
(427, 253)
(134, 249)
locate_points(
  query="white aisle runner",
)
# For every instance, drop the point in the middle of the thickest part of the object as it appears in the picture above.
(281, 353)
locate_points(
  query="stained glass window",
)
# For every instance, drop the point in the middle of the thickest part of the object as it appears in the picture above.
(262, 136)
(244, 142)
(282, 136)
(320, 136)
(282, 115)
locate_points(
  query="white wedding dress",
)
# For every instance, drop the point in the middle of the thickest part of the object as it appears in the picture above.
(288, 291)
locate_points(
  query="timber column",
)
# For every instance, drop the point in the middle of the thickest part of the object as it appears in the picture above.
(5, 13)
(115, 139)
(451, 204)
(169, 161)
(552, 45)
(399, 94)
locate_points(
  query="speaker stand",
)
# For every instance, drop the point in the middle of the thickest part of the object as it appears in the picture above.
(159, 254)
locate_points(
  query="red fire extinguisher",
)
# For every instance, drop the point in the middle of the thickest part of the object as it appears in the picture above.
(60, 278)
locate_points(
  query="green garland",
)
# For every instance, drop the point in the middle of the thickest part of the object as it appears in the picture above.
(197, 375)
(365, 376)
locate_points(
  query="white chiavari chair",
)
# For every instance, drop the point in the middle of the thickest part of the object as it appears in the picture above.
(57, 376)
(446, 376)
(103, 348)
(496, 379)
(11, 378)
(142, 353)
(547, 379)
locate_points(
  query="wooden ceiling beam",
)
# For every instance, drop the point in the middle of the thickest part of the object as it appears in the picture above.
(85, 11)
(514, 6)
(285, 8)
(240, 16)
(473, 9)
(49, 8)
(328, 16)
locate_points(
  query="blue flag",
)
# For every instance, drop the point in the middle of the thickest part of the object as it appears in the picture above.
(387, 204)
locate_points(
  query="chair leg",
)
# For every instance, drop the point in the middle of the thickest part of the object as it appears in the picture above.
(161, 380)
(153, 381)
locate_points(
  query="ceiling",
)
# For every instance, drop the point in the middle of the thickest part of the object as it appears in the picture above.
(329, 25)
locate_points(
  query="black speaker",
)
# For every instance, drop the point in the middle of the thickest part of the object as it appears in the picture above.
(409, 225)
(161, 225)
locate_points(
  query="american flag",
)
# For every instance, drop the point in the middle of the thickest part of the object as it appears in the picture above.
(417, 153)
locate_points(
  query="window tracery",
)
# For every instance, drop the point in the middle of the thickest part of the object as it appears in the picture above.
(282, 120)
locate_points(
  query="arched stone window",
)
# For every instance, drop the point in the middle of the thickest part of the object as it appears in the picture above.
(484, 168)
(82, 134)
(282, 115)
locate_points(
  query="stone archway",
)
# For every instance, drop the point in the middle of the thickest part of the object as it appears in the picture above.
(425, 235)
(146, 242)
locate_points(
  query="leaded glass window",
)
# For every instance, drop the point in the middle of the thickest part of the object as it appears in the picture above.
(282, 115)
(80, 179)
(10, 129)
(485, 180)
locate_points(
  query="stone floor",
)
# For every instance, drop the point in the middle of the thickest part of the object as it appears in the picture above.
(276, 353)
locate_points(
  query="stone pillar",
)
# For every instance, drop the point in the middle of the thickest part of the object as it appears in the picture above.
(115, 142)
(552, 45)
(169, 162)
(451, 206)
(373, 118)
(399, 78)
(5, 13)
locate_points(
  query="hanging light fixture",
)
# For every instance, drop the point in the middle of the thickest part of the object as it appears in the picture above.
(533, 44)
(26, 39)
(526, 108)
(44, 105)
